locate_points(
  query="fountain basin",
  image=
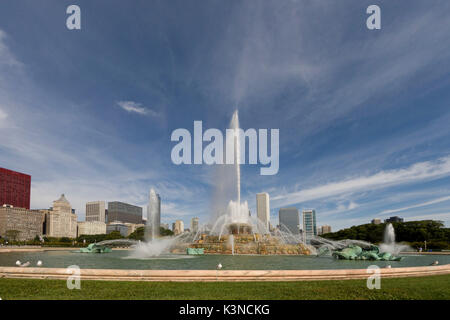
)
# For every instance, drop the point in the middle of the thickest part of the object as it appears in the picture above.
(120, 259)
(222, 275)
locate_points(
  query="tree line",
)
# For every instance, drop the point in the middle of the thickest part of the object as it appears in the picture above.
(413, 232)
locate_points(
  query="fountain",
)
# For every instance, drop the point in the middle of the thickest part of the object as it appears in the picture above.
(233, 230)
(389, 244)
(153, 216)
(231, 242)
(361, 250)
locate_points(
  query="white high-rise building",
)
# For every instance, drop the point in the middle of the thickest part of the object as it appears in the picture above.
(154, 213)
(61, 220)
(95, 211)
(194, 224)
(309, 224)
(263, 209)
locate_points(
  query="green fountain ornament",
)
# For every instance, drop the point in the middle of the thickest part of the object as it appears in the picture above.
(95, 248)
(354, 252)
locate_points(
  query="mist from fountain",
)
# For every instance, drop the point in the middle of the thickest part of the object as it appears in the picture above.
(153, 248)
(235, 212)
(389, 244)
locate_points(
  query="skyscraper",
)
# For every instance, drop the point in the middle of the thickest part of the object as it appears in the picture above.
(153, 213)
(263, 209)
(289, 219)
(15, 188)
(96, 211)
(194, 224)
(60, 219)
(309, 224)
(178, 227)
(124, 212)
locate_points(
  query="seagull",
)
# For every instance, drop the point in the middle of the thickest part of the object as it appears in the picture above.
(26, 264)
(39, 263)
(18, 263)
(219, 266)
(435, 263)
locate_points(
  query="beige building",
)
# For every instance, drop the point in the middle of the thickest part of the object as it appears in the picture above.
(96, 211)
(325, 229)
(91, 227)
(19, 223)
(263, 209)
(178, 227)
(376, 221)
(60, 220)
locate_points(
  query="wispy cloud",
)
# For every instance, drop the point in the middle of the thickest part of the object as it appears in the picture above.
(417, 172)
(135, 107)
(419, 205)
(444, 216)
(6, 57)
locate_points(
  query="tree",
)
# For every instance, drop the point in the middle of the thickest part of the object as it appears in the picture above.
(165, 232)
(12, 234)
(114, 235)
(411, 231)
(138, 234)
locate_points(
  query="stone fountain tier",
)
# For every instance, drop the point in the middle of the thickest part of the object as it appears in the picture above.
(243, 244)
(237, 228)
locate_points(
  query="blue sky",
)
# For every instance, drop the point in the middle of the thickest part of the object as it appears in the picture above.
(363, 115)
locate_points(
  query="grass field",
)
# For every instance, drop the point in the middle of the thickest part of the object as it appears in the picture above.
(432, 287)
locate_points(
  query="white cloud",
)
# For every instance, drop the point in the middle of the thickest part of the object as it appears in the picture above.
(6, 57)
(423, 204)
(421, 171)
(135, 107)
(444, 216)
(352, 205)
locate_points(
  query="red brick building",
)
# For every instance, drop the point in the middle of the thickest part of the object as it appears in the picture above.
(15, 188)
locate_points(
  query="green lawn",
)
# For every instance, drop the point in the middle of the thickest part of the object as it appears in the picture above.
(432, 287)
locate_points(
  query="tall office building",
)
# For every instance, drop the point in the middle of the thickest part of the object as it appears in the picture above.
(15, 188)
(96, 211)
(309, 224)
(289, 219)
(194, 224)
(60, 220)
(153, 213)
(124, 212)
(178, 227)
(263, 209)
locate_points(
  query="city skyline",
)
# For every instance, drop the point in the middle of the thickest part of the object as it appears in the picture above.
(359, 143)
